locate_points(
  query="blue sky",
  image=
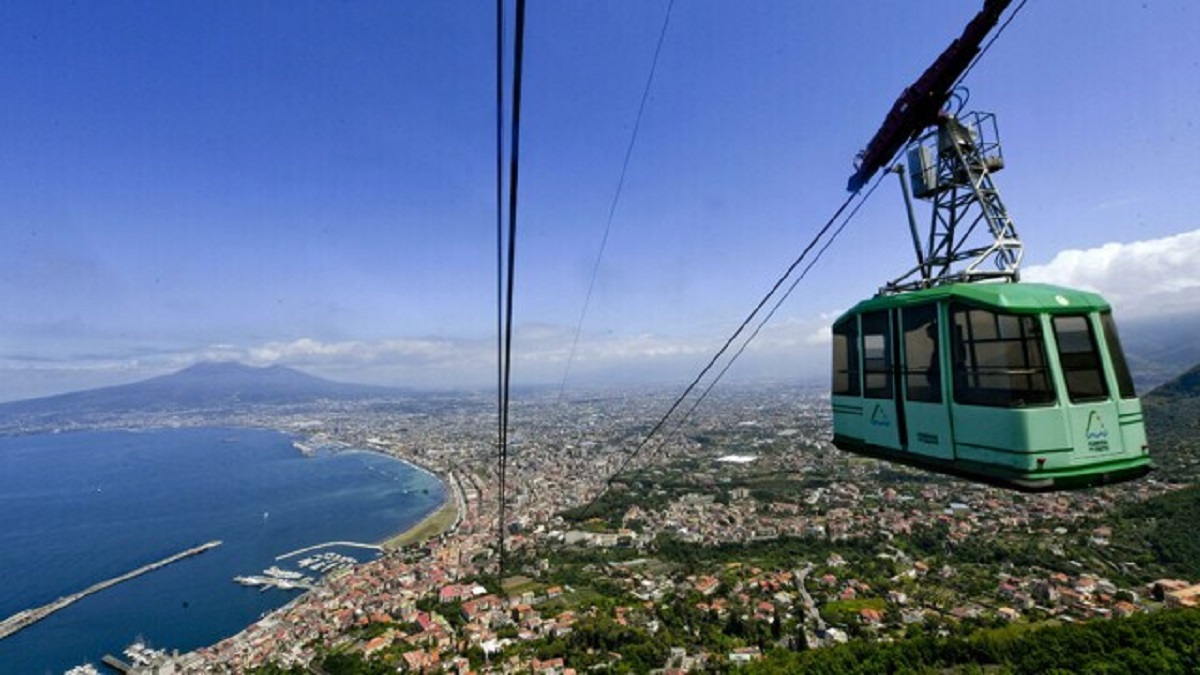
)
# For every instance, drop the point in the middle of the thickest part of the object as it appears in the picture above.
(310, 183)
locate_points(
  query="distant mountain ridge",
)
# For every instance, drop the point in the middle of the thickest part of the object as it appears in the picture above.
(1186, 385)
(1173, 426)
(201, 386)
(1159, 349)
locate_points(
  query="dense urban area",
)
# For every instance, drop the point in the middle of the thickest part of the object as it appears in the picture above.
(741, 539)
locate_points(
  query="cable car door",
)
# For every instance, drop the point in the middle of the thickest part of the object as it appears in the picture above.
(926, 413)
(883, 418)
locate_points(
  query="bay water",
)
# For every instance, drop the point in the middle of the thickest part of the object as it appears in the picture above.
(78, 508)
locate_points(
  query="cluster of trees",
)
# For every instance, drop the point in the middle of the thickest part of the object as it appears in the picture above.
(1161, 642)
(612, 506)
(1173, 427)
(1160, 531)
(596, 641)
(782, 552)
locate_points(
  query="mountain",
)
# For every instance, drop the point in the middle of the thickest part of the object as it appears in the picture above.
(213, 385)
(1159, 349)
(1173, 426)
(1186, 385)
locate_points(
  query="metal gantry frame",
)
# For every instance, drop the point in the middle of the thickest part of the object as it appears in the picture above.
(951, 166)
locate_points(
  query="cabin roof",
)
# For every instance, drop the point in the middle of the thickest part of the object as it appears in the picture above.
(1020, 298)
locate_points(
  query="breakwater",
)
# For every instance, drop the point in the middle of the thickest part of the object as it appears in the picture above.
(347, 544)
(28, 617)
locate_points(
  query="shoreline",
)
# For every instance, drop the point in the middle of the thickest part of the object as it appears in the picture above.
(441, 520)
(434, 524)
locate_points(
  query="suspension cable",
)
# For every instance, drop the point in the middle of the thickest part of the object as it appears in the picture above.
(988, 45)
(720, 352)
(783, 298)
(500, 247)
(514, 164)
(612, 208)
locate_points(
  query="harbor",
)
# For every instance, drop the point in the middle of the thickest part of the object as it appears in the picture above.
(276, 577)
(192, 603)
(28, 617)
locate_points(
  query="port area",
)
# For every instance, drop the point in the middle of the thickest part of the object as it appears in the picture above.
(321, 564)
(28, 617)
(142, 659)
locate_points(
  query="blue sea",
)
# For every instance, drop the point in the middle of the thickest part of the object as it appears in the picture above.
(78, 508)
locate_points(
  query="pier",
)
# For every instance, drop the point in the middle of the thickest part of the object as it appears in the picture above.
(28, 617)
(348, 544)
(116, 664)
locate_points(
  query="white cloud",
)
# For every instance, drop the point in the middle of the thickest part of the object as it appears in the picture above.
(789, 348)
(1156, 277)
(821, 336)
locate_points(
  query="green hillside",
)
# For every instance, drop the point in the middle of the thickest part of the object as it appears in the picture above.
(1173, 427)
(1163, 533)
(1186, 385)
(1161, 642)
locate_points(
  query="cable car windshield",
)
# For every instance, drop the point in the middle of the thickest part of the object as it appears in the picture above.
(1117, 356)
(845, 358)
(999, 359)
(1081, 365)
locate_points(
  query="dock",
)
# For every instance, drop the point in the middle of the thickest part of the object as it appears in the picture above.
(116, 664)
(27, 617)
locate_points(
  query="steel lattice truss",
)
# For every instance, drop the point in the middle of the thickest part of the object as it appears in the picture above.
(970, 236)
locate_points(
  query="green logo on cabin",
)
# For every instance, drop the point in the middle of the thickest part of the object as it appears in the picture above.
(879, 418)
(1097, 434)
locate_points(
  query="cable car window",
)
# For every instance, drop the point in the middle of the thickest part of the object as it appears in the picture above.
(1117, 356)
(999, 359)
(845, 359)
(1081, 364)
(877, 355)
(922, 371)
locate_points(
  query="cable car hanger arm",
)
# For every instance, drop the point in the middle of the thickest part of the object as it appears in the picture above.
(918, 106)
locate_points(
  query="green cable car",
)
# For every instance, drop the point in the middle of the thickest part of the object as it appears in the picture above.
(1020, 385)
(955, 366)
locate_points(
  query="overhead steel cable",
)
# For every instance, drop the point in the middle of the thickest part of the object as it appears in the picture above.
(500, 244)
(612, 207)
(989, 43)
(513, 176)
(783, 298)
(724, 348)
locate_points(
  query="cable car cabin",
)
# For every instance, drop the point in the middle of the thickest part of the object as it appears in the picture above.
(1018, 385)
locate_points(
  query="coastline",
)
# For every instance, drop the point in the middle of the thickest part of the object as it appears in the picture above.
(435, 524)
(439, 521)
